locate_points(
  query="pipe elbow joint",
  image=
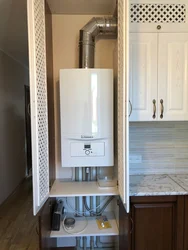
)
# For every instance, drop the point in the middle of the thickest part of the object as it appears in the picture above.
(97, 27)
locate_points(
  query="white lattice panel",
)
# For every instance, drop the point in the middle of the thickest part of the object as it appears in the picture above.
(158, 13)
(39, 110)
(123, 148)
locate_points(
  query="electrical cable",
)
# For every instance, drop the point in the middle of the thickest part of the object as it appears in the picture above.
(81, 213)
(78, 232)
(106, 204)
(102, 209)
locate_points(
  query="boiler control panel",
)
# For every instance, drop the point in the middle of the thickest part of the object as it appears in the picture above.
(85, 149)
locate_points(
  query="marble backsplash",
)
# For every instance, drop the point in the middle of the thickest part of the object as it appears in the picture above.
(162, 146)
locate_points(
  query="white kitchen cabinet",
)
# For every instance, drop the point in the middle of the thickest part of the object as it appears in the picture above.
(143, 76)
(159, 73)
(159, 16)
(173, 76)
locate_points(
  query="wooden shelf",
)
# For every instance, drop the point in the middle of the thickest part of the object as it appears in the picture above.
(91, 229)
(75, 189)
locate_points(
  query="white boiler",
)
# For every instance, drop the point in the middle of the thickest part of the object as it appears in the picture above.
(86, 100)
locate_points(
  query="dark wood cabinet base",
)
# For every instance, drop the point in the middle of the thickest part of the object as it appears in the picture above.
(158, 223)
(186, 224)
(124, 228)
(155, 223)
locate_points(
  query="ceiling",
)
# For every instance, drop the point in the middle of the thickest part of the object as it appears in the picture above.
(81, 7)
(13, 29)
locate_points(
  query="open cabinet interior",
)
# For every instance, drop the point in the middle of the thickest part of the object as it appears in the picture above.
(54, 45)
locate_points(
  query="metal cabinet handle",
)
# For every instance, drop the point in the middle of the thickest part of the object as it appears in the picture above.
(162, 109)
(159, 27)
(154, 109)
(131, 108)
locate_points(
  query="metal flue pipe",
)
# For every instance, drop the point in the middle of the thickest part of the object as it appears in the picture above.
(97, 28)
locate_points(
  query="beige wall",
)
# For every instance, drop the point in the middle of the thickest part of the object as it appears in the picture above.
(65, 51)
(12, 124)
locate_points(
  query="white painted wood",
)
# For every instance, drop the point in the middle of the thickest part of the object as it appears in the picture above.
(39, 109)
(72, 189)
(173, 76)
(166, 26)
(91, 229)
(143, 75)
(123, 101)
(82, 7)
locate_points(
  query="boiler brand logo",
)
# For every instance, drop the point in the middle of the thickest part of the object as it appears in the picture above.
(86, 136)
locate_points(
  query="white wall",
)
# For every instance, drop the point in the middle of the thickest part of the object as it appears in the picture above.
(13, 76)
(66, 55)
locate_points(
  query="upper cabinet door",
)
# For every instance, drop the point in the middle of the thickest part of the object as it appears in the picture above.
(123, 101)
(143, 76)
(38, 96)
(159, 16)
(173, 77)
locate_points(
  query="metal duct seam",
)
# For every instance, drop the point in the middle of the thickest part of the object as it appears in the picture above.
(96, 28)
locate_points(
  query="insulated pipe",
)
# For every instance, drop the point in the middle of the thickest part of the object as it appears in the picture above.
(84, 239)
(97, 197)
(78, 243)
(77, 204)
(96, 28)
(92, 243)
(83, 179)
(83, 174)
(97, 204)
(84, 242)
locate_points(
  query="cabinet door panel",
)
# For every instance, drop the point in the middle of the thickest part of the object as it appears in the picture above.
(186, 224)
(124, 228)
(159, 16)
(39, 105)
(158, 222)
(173, 76)
(154, 226)
(123, 101)
(143, 75)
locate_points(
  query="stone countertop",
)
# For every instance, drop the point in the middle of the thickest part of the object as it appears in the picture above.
(181, 180)
(155, 185)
